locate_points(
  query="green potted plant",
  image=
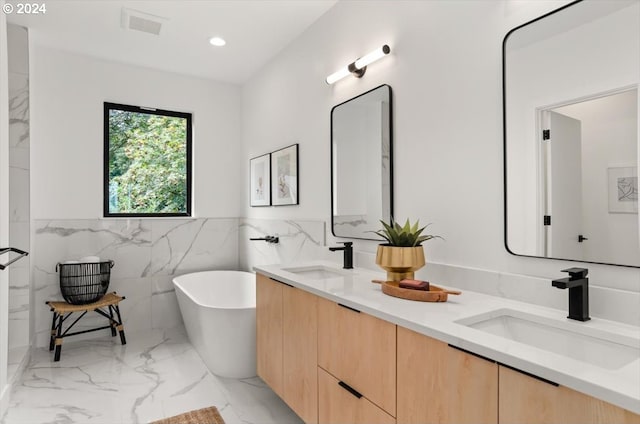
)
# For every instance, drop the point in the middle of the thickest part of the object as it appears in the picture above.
(403, 253)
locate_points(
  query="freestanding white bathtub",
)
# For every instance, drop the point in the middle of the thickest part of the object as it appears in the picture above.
(219, 313)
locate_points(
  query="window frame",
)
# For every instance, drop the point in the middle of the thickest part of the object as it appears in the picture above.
(149, 111)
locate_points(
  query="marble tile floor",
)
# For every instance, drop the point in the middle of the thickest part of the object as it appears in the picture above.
(156, 374)
(15, 358)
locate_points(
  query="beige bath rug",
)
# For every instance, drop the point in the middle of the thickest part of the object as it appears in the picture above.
(208, 415)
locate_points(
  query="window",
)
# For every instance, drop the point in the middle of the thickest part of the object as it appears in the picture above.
(147, 162)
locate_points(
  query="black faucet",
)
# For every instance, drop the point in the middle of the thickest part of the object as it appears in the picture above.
(348, 254)
(268, 239)
(578, 285)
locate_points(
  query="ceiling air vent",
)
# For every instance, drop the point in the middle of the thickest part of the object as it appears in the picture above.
(140, 21)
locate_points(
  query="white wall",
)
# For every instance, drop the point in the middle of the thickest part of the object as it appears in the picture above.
(445, 72)
(67, 95)
(68, 92)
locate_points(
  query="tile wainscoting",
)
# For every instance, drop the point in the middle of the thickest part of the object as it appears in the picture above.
(298, 241)
(148, 253)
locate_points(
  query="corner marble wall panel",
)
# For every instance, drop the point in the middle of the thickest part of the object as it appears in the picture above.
(147, 253)
(19, 173)
(299, 241)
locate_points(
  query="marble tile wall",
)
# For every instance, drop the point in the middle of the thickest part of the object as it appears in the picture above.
(298, 241)
(306, 240)
(19, 174)
(147, 254)
(355, 225)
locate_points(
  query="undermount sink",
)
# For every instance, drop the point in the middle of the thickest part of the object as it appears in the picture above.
(317, 272)
(574, 340)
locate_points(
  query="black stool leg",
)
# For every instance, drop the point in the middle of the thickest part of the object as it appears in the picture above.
(56, 355)
(52, 337)
(112, 322)
(123, 339)
(58, 341)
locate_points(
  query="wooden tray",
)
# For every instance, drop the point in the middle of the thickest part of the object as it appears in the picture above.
(435, 293)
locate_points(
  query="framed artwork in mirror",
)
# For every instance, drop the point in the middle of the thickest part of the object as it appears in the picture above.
(623, 190)
(284, 176)
(260, 186)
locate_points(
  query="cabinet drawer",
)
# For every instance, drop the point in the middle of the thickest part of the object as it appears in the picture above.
(525, 399)
(337, 405)
(359, 349)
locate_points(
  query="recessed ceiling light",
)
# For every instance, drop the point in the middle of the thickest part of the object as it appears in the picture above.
(217, 41)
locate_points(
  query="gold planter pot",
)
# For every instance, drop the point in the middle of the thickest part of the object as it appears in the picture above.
(400, 262)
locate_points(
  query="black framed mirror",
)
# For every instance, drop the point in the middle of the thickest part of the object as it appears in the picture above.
(361, 164)
(570, 97)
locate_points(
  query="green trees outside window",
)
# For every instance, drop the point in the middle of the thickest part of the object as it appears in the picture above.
(147, 162)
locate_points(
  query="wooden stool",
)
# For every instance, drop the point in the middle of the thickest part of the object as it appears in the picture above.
(63, 310)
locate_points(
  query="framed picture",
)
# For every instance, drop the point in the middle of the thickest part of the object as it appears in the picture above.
(623, 190)
(260, 186)
(284, 176)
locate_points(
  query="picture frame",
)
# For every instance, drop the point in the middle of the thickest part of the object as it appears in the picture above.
(623, 189)
(284, 176)
(260, 180)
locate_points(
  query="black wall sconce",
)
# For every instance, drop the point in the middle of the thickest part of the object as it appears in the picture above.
(359, 67)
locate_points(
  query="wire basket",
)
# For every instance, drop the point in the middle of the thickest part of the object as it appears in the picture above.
(82, 283)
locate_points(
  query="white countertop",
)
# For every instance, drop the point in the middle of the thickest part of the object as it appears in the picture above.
(620, 387)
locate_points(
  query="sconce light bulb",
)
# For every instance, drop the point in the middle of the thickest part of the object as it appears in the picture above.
(338, 75)
(358, 67)
(217, 41)
(372, 57)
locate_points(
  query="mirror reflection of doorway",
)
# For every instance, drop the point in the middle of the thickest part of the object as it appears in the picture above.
(582, 141)
(563, 185)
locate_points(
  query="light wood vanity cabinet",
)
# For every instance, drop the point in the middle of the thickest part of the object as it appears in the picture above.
(333, 364)
(360, 351)
(526, 399)
(286, 344)
(440, 384)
